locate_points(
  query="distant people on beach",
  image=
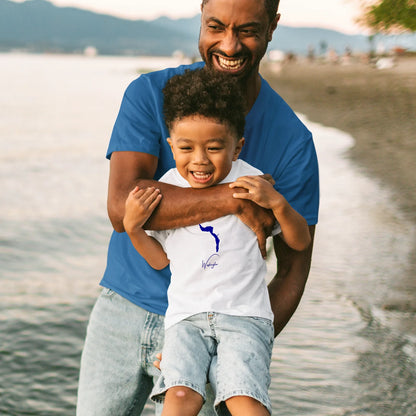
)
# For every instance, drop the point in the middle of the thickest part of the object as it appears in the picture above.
(126, 327)
(218, 303)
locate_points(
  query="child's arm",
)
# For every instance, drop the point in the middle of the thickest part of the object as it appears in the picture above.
(295, 230)
(139, 206)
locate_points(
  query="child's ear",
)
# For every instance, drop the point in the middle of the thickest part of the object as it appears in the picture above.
(169, 140)
(238, 148)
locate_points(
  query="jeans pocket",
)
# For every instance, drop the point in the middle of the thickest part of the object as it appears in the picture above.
(267, 325)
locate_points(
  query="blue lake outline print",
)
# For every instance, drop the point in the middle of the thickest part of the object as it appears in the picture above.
(210, 229)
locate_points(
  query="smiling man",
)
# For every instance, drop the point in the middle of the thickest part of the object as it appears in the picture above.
(126, 325)
(234, 38)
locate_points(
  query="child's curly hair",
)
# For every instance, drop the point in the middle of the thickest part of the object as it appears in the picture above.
(205, 93)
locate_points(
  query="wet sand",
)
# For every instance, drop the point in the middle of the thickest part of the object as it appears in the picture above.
(376, 106)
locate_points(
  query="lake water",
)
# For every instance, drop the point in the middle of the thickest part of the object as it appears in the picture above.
(349, 350)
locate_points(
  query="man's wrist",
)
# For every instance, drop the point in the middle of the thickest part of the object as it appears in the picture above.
(237, 204)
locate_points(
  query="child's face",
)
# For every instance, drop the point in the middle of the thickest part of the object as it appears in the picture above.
(203, 149)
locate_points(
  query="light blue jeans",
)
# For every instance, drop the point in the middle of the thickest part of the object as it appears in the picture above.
(117, 372)
(242, 347)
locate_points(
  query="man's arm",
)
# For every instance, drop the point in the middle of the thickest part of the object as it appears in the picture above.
(179, 207)
(126, 168)
(286, 288)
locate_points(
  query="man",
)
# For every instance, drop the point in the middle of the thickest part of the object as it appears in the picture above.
(126, 325)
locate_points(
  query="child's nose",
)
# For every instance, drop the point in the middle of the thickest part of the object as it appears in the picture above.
(200, 157)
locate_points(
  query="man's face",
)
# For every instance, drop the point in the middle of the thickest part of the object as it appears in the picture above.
(234, 36)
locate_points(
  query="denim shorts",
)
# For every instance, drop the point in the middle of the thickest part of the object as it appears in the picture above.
(233, 353)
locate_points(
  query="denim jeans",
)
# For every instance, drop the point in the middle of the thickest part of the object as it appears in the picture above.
(242, 347)
(117, 372)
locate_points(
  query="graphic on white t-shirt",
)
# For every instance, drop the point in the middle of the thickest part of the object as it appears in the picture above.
(211, 262)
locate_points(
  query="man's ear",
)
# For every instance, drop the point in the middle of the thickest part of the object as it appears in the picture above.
(272, 27)
(238, 148)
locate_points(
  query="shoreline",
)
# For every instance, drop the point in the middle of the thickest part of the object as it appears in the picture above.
(376, 106)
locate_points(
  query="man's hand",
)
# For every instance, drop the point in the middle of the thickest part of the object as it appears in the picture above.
(260, 220)
(268, 178)
(293, 226)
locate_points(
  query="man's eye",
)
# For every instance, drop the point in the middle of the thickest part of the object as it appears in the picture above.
(214, 27)
(248, 32)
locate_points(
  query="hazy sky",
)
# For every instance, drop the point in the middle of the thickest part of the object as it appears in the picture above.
(332, 14)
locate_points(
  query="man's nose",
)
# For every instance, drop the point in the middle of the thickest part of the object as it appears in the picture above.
(230, 43)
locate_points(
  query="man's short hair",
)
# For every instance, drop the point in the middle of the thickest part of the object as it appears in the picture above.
(270, 5)
(206, 93)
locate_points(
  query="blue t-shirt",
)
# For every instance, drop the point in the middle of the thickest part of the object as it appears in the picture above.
(276, 142)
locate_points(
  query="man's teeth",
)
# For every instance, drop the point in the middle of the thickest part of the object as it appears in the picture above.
(230, 63)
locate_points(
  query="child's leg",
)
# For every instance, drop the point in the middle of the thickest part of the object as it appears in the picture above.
(186, 359)
(242, 373)
(182, 401)
(245, 406)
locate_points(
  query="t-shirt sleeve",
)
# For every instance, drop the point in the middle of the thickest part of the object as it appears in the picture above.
(138, 126)
(300, 182)
(160, 236)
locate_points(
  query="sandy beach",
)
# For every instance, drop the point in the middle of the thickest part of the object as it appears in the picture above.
(376, 106)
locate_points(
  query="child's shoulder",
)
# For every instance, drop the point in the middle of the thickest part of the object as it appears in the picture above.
(173, 177)
(242, 168)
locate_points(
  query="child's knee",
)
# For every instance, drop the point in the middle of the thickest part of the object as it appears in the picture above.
(245, 405)
(183, 393)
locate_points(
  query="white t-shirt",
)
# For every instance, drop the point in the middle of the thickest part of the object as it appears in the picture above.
(216, 266)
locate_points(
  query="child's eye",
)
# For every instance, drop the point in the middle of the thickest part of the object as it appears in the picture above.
(214, 149)
(185, 148)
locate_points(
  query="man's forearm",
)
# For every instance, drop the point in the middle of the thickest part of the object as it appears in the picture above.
(181, 207)
(287, 287)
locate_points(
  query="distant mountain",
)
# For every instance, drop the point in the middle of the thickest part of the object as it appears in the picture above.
(300, 39)
(40, 26)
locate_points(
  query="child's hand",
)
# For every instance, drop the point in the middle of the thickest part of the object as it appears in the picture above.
(140, 205)
(260, 190)
(158, 360)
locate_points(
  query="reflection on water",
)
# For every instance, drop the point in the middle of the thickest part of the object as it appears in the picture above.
(341, 353)
(350, 348)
